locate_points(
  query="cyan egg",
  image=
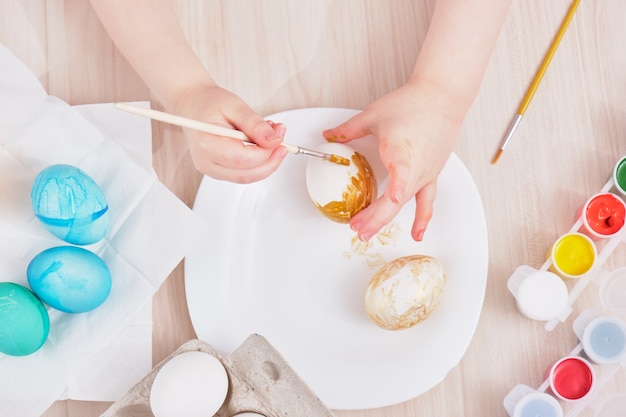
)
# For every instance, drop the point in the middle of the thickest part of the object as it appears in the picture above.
(70, 204)
(69, 278)
(24, 321)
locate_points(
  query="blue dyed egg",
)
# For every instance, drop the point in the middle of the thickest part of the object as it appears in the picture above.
(24, 321)
(69, 278)
(70, 204)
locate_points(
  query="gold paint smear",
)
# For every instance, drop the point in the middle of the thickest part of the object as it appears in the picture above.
(359, 193)
(387, 236)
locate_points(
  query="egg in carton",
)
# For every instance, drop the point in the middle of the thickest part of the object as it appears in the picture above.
(259, 381)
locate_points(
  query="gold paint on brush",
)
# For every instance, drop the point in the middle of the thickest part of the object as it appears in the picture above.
(339, 160)
(359, 193)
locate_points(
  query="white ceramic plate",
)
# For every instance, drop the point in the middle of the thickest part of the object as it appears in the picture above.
(271, 264)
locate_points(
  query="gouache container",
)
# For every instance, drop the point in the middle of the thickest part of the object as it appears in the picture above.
(613, 291)
(573, 255)
(539, 295)
(619, 177)
(571, 378)
(612, 407)
(523, 401)
(538, 404)
(603, 216)
(604, 340)
(605, 350)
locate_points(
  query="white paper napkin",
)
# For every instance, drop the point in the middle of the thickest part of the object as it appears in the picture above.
(115, 368)
(151, 231)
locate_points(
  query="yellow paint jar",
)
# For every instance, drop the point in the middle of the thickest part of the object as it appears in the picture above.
(573, 255)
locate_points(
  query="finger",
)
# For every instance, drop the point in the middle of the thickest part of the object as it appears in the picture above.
(355, 127)
(226, 152)
(424, 201)
(262, 132)
(251, 170)
(397, 160)
(372, 219)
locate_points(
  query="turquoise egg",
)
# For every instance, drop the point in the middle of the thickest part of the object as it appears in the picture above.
(70, 204)
(24, 321)
(69, 278)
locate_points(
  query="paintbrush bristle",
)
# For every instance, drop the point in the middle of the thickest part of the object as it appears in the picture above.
(495, 158)
(339, 160)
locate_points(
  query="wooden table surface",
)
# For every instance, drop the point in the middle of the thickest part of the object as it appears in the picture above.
(280, 55)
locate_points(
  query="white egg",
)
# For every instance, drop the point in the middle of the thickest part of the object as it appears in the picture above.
(192, 384)
(339, 191)
(405, 291)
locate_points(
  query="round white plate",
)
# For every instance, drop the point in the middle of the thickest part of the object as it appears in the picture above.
(271, 264)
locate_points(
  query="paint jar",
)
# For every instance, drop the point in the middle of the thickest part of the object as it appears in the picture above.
(571, 378)
(604, 340)
(612, 407)
(603, 216)
(538, 404)
(573, 255)
(524, 401)
(542, 295)
(613, 291)
(619, 177)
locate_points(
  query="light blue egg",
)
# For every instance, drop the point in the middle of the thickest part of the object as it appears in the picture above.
(70, 204)
(69, 278)
(24, 321)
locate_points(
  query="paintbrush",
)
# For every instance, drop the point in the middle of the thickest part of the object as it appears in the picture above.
(222, 131)
(537, 79)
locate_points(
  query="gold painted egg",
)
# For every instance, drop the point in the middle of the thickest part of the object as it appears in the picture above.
(405, 291)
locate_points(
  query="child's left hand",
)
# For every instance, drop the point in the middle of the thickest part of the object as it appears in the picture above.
(416, 127)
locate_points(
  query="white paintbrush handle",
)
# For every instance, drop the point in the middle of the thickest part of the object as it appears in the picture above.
(194, 124)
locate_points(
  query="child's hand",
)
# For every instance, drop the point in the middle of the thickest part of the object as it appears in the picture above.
(416, 126)
(226, 158)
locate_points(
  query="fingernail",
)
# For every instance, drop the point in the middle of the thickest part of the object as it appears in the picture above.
(397, 196)
(365, 236)
(330, 138)
(420, 235)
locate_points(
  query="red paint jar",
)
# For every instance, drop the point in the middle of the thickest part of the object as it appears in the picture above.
(603, 216)
(571, 378)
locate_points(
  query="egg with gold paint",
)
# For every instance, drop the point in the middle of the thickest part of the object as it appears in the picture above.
(70, 204)
(405, 291)
(339, 191)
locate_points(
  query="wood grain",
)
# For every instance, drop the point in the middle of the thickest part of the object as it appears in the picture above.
(345, 54)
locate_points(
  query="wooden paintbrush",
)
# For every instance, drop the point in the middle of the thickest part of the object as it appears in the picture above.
(537, 80)
(222, 131)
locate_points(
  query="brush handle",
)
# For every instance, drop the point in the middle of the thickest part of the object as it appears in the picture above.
(547, 58)
(194, 124)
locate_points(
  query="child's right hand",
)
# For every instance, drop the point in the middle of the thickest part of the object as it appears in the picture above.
(226, 158)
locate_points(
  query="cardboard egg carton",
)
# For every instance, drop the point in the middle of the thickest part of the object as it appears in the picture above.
(260, 381)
